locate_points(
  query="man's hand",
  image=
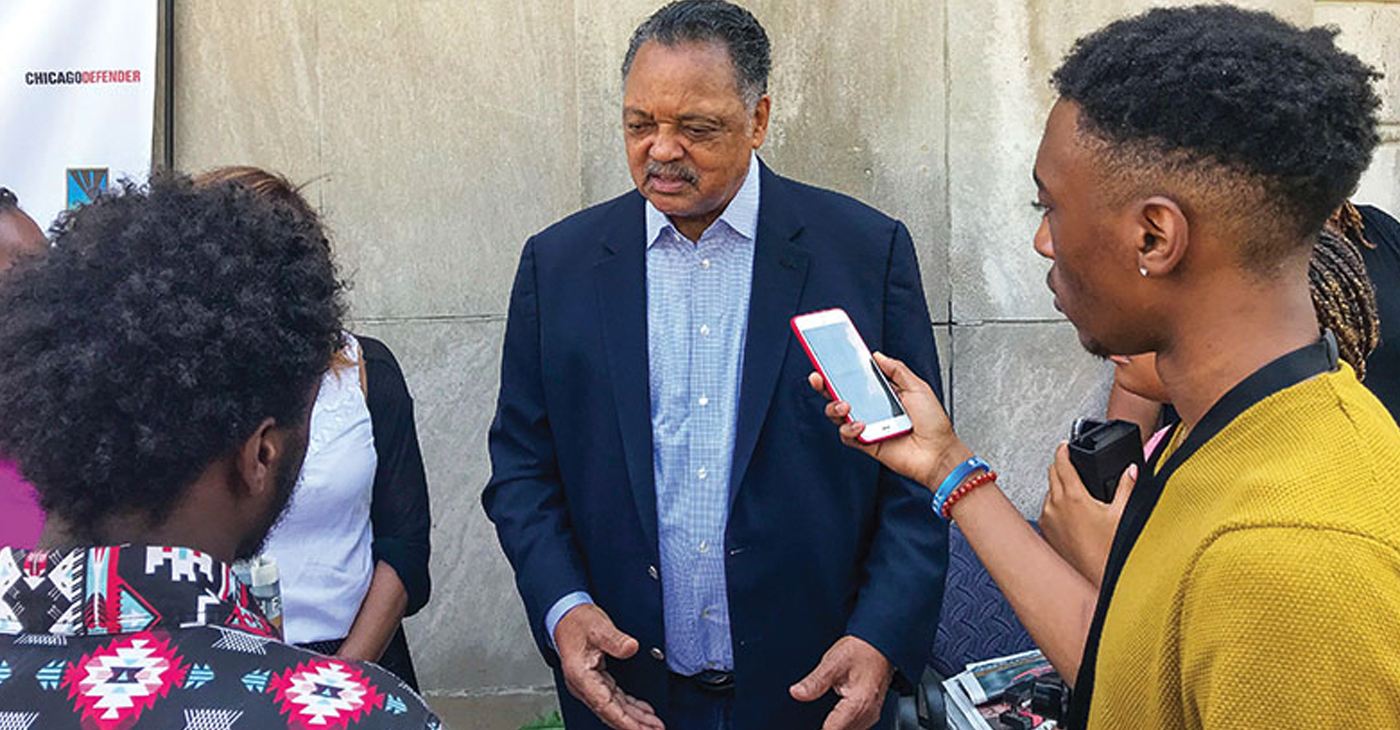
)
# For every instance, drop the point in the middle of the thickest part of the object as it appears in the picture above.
(585, 638)
(1079, 527)
(859, 674)
(926, 454)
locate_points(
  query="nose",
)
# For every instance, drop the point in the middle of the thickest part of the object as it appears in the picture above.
(666, 147)
(1043, 244)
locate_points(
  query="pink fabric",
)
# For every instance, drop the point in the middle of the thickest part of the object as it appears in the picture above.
(1151, 446)
(20, 516)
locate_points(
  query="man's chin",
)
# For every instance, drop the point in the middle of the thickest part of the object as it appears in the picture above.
(1092, 346)
(672, 204)
(249, 549)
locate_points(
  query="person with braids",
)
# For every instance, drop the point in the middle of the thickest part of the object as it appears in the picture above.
(1343, 295)
(157, 372)
(352, 549)
(1377, 236)
(20, 516)
(1079, 527)
(1186, 172)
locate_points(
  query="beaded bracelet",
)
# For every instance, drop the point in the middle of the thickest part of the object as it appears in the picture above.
(985, 477)
(956, 477)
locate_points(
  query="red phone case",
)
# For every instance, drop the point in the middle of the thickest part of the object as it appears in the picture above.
(831, 387)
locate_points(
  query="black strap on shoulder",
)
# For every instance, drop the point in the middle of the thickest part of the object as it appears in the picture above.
(1285, 372)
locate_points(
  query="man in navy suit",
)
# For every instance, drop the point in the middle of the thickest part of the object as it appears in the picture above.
(695, 550)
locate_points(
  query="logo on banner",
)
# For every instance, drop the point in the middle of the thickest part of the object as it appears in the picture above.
(58, 78)
(85, 184)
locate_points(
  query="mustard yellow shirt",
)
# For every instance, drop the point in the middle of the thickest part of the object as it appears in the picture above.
(1264, 589)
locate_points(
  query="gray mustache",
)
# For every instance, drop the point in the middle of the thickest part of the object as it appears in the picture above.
(680, 172)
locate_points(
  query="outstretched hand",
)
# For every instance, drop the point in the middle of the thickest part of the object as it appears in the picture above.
(585, 638)
(859, 674)
(926, 454)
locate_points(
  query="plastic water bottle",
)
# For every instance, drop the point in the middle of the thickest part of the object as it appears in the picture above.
(264, 585)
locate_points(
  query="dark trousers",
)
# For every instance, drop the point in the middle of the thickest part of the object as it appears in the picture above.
(695, 708)
(396, 658)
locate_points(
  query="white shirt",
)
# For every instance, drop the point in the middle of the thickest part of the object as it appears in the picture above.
(323, 543)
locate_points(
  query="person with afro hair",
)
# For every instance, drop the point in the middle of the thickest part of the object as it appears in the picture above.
(1185, 174)
(157, 371)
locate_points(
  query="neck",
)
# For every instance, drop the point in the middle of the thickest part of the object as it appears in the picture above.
(188, 524)
(1221, 342)
(694, 227)
(59, 534)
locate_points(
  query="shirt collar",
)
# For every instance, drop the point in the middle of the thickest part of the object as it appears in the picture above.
(741, 215)
(121, 589)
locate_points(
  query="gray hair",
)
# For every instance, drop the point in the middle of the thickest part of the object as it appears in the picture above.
(711, 21)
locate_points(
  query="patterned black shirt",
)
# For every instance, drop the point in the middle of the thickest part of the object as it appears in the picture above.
(136, 637)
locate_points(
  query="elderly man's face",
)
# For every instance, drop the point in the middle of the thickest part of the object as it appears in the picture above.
(689, 134)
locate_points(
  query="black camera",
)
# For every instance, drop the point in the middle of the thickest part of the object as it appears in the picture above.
(1034, 700)
(1101, 452)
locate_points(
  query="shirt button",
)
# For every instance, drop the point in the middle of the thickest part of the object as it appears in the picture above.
(701, 473)
(705, 330)
(704, 263)
(704, 401)
(657, 654)
(704, 547)
(653, 572)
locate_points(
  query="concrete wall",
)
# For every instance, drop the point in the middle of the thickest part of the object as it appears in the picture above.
(443, 133)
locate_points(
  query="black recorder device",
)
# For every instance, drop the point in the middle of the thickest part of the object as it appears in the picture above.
(1101, 452)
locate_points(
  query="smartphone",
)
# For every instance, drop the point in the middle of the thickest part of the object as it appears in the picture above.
(844, 362)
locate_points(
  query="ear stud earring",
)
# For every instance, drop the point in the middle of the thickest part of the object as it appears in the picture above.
(1143, 270)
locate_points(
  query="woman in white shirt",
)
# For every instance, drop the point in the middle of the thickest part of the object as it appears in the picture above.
(352, 547)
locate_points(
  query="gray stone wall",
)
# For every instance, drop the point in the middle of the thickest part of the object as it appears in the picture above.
(440, 134)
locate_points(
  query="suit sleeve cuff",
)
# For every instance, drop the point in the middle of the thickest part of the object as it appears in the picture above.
(561, 607)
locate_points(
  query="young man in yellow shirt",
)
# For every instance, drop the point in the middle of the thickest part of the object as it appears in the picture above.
(1185, 173)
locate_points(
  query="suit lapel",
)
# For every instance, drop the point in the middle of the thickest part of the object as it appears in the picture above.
(620, 278)
(779, 272)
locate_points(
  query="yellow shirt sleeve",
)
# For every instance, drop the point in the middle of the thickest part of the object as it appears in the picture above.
(1291, 627)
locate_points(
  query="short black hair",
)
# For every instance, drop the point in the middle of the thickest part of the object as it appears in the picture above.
(711, 21)
(1215, 89)
(165, 325)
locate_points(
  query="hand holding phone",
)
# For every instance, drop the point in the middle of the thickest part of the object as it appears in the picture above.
(850, 372)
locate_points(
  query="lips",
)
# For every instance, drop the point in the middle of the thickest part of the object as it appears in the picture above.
(667, 185)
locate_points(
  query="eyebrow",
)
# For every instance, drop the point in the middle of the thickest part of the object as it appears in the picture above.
(700, 118)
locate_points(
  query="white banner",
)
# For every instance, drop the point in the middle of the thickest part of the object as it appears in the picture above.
(77, 98)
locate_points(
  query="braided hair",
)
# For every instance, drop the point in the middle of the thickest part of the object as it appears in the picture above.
(1346, 220)
(1341, 290)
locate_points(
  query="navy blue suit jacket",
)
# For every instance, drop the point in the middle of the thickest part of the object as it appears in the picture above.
(821, 541)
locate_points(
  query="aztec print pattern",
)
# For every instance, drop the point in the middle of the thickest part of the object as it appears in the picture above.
(135, 637)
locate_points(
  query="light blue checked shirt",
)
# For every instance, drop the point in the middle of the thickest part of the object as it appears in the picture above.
(697, 317)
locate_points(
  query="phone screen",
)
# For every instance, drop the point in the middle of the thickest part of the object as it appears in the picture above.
(847, 363)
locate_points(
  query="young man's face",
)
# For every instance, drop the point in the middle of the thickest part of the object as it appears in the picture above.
(1094, 269)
